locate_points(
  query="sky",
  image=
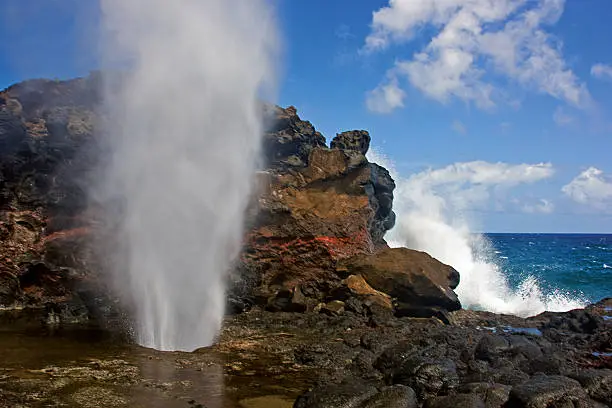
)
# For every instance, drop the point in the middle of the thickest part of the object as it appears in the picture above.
(501, 107)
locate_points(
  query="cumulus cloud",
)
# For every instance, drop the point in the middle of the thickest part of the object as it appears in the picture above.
(602, 71)
(591, 187)
(472, 185)
(543, 206)
(385, 98)
(487, 173)
(459, 186)
(476, 38)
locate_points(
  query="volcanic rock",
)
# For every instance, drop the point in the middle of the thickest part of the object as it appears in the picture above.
(315, 206)
(350, 393)
(357, 140)
(548, 391)
(313, 209)
(456, 401)
(419, 284)
(396, 396)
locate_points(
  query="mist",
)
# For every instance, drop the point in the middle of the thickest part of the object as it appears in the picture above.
(433, 220)
(183, 139)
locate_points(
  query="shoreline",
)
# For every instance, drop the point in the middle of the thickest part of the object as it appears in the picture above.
(322, 360)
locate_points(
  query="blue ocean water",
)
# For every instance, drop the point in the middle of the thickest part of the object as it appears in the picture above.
(579, 265)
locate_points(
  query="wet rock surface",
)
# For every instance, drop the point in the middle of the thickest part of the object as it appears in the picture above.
(283, 359)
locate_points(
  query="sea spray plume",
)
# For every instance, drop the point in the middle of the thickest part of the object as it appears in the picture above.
(184, 140)
(430, 208)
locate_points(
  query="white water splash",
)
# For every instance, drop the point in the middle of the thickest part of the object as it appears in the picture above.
(430, 221)
(185, 137)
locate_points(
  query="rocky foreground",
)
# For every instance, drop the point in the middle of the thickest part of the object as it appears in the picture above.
(323, 312)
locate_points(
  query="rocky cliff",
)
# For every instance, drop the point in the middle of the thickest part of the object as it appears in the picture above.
(314, 239)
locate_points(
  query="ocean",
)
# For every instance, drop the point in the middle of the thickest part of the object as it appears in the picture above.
(518, 274)
(577, 266)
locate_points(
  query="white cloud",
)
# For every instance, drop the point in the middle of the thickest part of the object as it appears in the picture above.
(476, 38)
(602, 71)
(472, 185)
(487, 173)
(543, 206)
(459, 186)
(459, 127)
(386, 97)
(591, 187)
(562, 118)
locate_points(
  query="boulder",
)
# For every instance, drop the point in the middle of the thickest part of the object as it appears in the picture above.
(490, 347)
(355, 286)
(597, 383)
(494, 395)
(455, 401)
(577, 321)
(289, 140)
(396, 396)
(402, 364)
(419, 284)
(354, 140)
(544, 391)
(350, 393)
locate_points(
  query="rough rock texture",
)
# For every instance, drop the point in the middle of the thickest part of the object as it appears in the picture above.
(271, 359)
(46, 158)
(332, 308)
(419, 284)
(313, 207)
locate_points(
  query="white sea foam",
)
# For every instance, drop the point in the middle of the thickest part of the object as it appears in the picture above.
(428, 221)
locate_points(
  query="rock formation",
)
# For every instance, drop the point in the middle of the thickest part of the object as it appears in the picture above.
(317, 213)
(332, 315)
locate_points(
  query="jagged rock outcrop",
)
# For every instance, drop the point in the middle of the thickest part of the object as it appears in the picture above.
(314, 207)
(46, 156)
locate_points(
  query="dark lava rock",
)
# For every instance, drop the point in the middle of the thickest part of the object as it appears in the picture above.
(380, 191)
(357, 140)
(420, 283)
(455, 401)
(396, 396)
(490, 347)
(544, 391)
(426, 376)
(289, 140)
(577, 321)
(598, 384)
(493, 395)
(350, 393)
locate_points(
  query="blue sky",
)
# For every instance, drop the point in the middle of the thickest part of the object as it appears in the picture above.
(498, 106)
